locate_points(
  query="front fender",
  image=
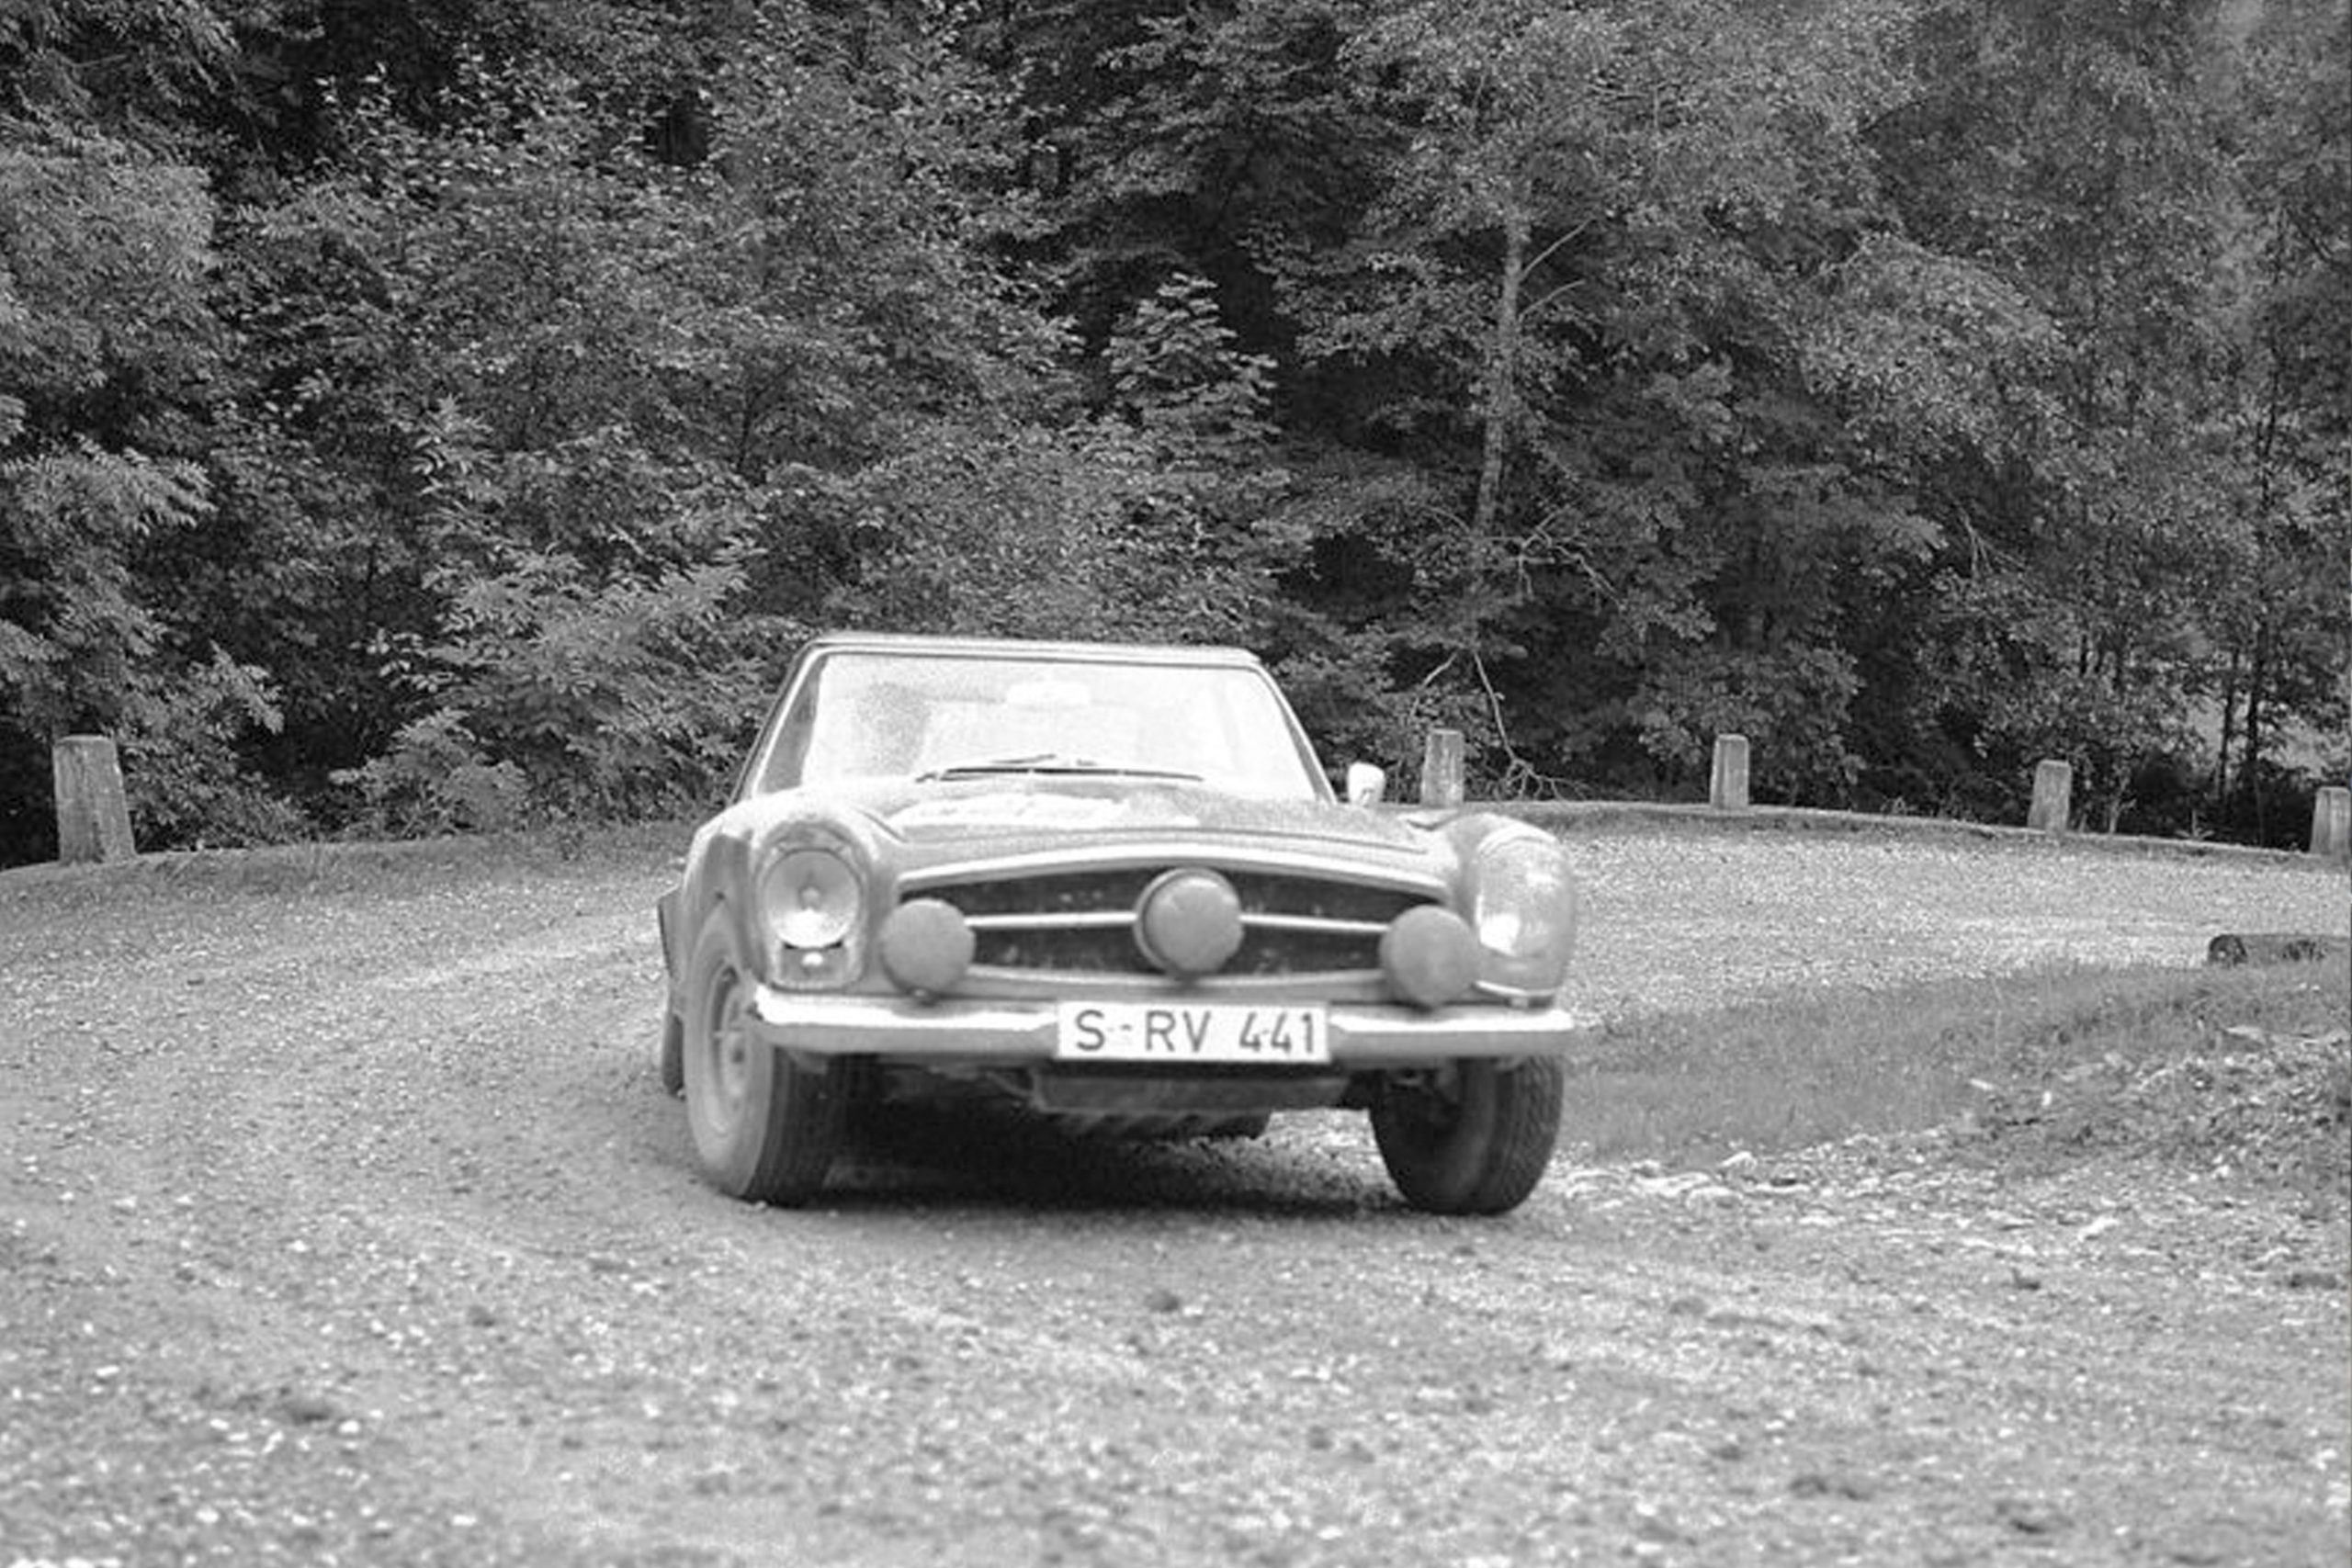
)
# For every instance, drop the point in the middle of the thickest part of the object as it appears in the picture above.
(727, 856)
(665, 922)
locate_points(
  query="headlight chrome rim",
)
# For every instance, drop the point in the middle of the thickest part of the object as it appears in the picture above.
(811, 896)
(1523, 908)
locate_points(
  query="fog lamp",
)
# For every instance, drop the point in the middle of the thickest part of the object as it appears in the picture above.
(1189, 923)
(1430, 956)
(926, 946)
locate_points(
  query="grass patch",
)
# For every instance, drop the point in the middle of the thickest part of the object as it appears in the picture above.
(352, 865)
(2242, 1067)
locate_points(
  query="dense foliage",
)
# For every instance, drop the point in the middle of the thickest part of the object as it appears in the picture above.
(452, 414)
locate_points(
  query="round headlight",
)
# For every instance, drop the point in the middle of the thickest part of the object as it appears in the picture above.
(1522, 898)
(809, 897)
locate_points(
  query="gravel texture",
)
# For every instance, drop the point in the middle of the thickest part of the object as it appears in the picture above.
(342, 1222)
(1705, 918)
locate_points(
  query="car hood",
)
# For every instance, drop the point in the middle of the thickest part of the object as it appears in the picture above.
(1011, 813)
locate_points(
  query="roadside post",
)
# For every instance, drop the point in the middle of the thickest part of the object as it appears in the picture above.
(1727, 785)
(2332, 823)
(1442, 768)
(2054, 788)
(93, 817)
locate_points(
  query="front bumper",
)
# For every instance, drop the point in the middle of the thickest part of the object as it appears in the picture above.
(1018, 1032)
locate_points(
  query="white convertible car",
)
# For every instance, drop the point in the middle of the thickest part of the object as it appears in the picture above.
(1113, 883)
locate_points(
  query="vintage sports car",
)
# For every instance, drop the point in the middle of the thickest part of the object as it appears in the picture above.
(1113, 883)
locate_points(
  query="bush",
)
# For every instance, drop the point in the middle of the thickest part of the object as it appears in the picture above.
(555, 694)
(188, 786)
(436, 779)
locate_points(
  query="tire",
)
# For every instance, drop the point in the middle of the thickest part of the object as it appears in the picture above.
(672, 1063)
(1472, 1139)
(764, 1129)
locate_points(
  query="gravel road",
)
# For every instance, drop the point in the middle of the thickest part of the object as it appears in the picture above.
(342, 1222)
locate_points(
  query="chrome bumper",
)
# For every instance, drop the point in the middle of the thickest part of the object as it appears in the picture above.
(1008, 1032)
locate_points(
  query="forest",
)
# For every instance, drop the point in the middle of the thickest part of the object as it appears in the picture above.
(452, 415)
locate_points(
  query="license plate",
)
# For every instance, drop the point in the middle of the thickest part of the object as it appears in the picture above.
(1183, 1034)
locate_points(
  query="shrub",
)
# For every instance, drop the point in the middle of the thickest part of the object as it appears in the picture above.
(556, 693)
(188, 786)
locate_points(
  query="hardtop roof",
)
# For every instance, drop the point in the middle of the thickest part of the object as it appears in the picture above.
(924, 644)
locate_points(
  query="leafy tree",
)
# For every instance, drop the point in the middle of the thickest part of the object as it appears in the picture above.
(102, 329)
(501, 322)
(1181, 139)
(2070, 151)
(135, 67)
(554, 694)
(1197, 540)
(185, 733)
(1144, 521)
(2278, 616)
(105, 347)
(642, 419)
(476, 402)
(1601, 241)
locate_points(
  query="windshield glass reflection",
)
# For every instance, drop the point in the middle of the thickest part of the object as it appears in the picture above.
(865, 715)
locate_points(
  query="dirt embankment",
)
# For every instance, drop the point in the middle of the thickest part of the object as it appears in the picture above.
(341, 1220)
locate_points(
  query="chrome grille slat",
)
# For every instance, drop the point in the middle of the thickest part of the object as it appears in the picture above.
(1034, 918)
(1098, 921)
(1322, 924)
(1120, 919)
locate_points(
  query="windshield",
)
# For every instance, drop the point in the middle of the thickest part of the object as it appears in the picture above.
(873, 714)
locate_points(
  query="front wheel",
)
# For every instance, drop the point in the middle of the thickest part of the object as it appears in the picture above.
(1472, 1138)
(764, 1129)
(671, 1061)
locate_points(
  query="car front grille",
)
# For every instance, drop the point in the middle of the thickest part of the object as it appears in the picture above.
(1082, 922)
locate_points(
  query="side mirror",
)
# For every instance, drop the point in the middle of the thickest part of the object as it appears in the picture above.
(1366, 784)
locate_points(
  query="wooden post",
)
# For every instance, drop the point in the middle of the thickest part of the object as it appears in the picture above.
(2332, 823)
(1441, 769)
(2053, 791)
(1727, 788)
(93, 820)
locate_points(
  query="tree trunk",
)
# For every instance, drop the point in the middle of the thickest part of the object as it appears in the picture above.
(2250, 763)
(1502, 389)
(2229, 735)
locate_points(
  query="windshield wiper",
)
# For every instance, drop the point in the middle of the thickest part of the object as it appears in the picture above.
(1044, 762)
